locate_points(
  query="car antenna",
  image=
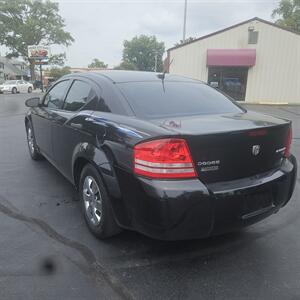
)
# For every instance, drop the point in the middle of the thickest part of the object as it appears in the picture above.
(163, 75)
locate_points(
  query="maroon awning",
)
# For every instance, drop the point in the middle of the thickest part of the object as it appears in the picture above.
(231, 57)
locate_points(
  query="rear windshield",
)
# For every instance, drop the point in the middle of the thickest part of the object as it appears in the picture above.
(157, 100)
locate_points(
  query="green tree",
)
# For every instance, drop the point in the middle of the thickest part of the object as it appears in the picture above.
(31, 22)
(288, 12)
(181, 42)
(57, 59)
(59, 72)
(96, 63)
(125, 65)
(144, 52)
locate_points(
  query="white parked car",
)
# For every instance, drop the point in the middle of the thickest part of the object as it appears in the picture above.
(16, 86)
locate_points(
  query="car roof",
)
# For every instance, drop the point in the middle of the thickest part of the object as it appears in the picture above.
(120, 76)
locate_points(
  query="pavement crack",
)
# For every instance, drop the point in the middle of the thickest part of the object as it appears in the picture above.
(97, 270)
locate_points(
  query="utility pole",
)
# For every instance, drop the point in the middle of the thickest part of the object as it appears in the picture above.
(184, 20)
(155, 68)
(41, 75)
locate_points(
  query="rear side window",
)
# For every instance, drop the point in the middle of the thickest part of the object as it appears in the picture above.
(79, 94)
(159, 100)
(55, 97)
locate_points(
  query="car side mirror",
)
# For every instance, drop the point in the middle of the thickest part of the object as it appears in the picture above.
(33, 102)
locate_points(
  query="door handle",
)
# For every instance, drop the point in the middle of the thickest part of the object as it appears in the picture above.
(76, 125)
(89, 119)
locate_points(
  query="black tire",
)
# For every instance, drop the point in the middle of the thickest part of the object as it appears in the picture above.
(106, 225)
(32, 146)
(30, 90)
(14, 90)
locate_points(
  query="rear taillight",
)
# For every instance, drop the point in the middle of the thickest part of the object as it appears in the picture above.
(288, 143)
(164, 158)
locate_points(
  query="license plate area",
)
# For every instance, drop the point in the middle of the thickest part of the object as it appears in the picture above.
(256, 204)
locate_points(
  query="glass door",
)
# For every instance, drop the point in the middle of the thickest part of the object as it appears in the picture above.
(231, 80)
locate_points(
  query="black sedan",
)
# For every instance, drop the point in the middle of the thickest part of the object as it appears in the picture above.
(161, 154)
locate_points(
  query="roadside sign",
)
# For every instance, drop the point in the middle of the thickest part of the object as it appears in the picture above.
(40, 56)
(37, 52)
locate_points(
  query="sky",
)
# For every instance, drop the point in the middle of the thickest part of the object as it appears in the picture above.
(100, 26)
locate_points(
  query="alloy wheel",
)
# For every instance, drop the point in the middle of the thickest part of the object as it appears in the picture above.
(92, 200)
(30, 140)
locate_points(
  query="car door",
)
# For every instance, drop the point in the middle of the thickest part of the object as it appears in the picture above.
(71, 124)
(23, 86)
(44, 115)
(19, 86)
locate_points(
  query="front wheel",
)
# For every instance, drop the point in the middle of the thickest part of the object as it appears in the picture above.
(14, 90)
(33, 149)
(96, 204)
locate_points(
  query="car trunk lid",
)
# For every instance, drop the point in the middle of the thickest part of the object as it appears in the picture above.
(232, 146)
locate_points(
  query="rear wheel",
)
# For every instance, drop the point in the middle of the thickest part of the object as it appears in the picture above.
(29, 89)
(33, 149)
(14, 90)
(96, 204)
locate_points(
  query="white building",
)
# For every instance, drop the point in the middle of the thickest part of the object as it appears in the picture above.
(254, 61)
(12, 69)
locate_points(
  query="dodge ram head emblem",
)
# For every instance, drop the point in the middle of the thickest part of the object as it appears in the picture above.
(255, 150)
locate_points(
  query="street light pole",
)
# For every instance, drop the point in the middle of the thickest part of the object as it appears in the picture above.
(184, 20)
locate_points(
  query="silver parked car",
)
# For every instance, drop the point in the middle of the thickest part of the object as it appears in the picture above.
(16, 86)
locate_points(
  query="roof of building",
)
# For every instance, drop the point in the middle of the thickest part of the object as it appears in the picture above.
(234, 26)
(16, 61)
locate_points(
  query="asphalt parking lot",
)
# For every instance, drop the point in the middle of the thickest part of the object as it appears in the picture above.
(47, 252)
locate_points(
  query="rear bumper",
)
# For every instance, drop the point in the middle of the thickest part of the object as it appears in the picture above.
(188, 209)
